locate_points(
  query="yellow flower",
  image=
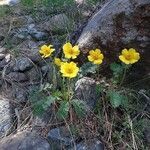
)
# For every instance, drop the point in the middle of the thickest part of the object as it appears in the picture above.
(129, 56)
(95, 56)
(69, 70)
(46, 51)
(57, 61)
(71, 52)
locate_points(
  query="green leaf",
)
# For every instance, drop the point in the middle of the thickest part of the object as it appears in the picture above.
(116, 99)
(88, 68)
(49, 100)
(79, 107)
(40, 102)
(63, 110)
(37, 98)
(116, 68)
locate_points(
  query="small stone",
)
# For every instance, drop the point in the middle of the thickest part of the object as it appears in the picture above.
(2, 50)
(17, 76)
(3, 63)
(40, 36)
(60, 138)
(1, 37)
(93, 144)
(2, 56)
(23, 64)
(5, 119)
(25, 140)
(8, 58)
(85, 90)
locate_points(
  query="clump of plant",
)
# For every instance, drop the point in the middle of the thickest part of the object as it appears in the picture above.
(69, 72)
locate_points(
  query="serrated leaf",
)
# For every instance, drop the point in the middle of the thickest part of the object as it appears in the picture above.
(48, 101)
(57, 94)
(79, 107)
(63, 110)
(37, 99)
(40, 102)
(115, 99)
(88, 68)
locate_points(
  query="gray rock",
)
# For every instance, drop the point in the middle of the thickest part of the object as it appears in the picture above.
(33, 75)
(17, 76)
(13, 2)
(3, 63)
(85, 90)
(2, 56)
(60, 138)
(19, 94)
(39, 36)
(2, 50)
(23, 64)
(5, 119)
(25, 140)
(1, 37)
(93, 144)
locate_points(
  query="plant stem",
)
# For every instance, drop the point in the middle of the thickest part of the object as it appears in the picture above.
(69, 98)
(124, 74)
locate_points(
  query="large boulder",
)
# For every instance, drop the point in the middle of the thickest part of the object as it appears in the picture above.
(119, 24)
(5, 119)
(25, 140)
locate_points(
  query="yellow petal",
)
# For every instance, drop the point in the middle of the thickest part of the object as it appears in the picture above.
(132, 50)
(44, 47)
(125, 52)
(137, 56)
(67, 46)
(90, 58)
(122, 58)
(98, 51)
(98, 62)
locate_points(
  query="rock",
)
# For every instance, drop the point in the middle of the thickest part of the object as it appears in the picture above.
(57, 23)
(19, 94)
(17, 76)
(60, 138)
(25, 140)
(85, 90)
(2, 50)
(5, 119)
(37, 35)
(13, 2)
(112, 29)
(34, 75)
(1, 37)
(40, 36)
(92, 144)
(23, 64)
(2, 56)
(4, 62)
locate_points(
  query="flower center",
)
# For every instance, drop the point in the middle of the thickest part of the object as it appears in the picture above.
(128, 57)
(69, 71)
(95, 57)
(71, 52)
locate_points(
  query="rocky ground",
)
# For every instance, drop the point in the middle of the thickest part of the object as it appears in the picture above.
(22, 69)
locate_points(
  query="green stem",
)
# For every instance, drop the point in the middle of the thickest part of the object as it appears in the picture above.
(124, 74)
(69, 90)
